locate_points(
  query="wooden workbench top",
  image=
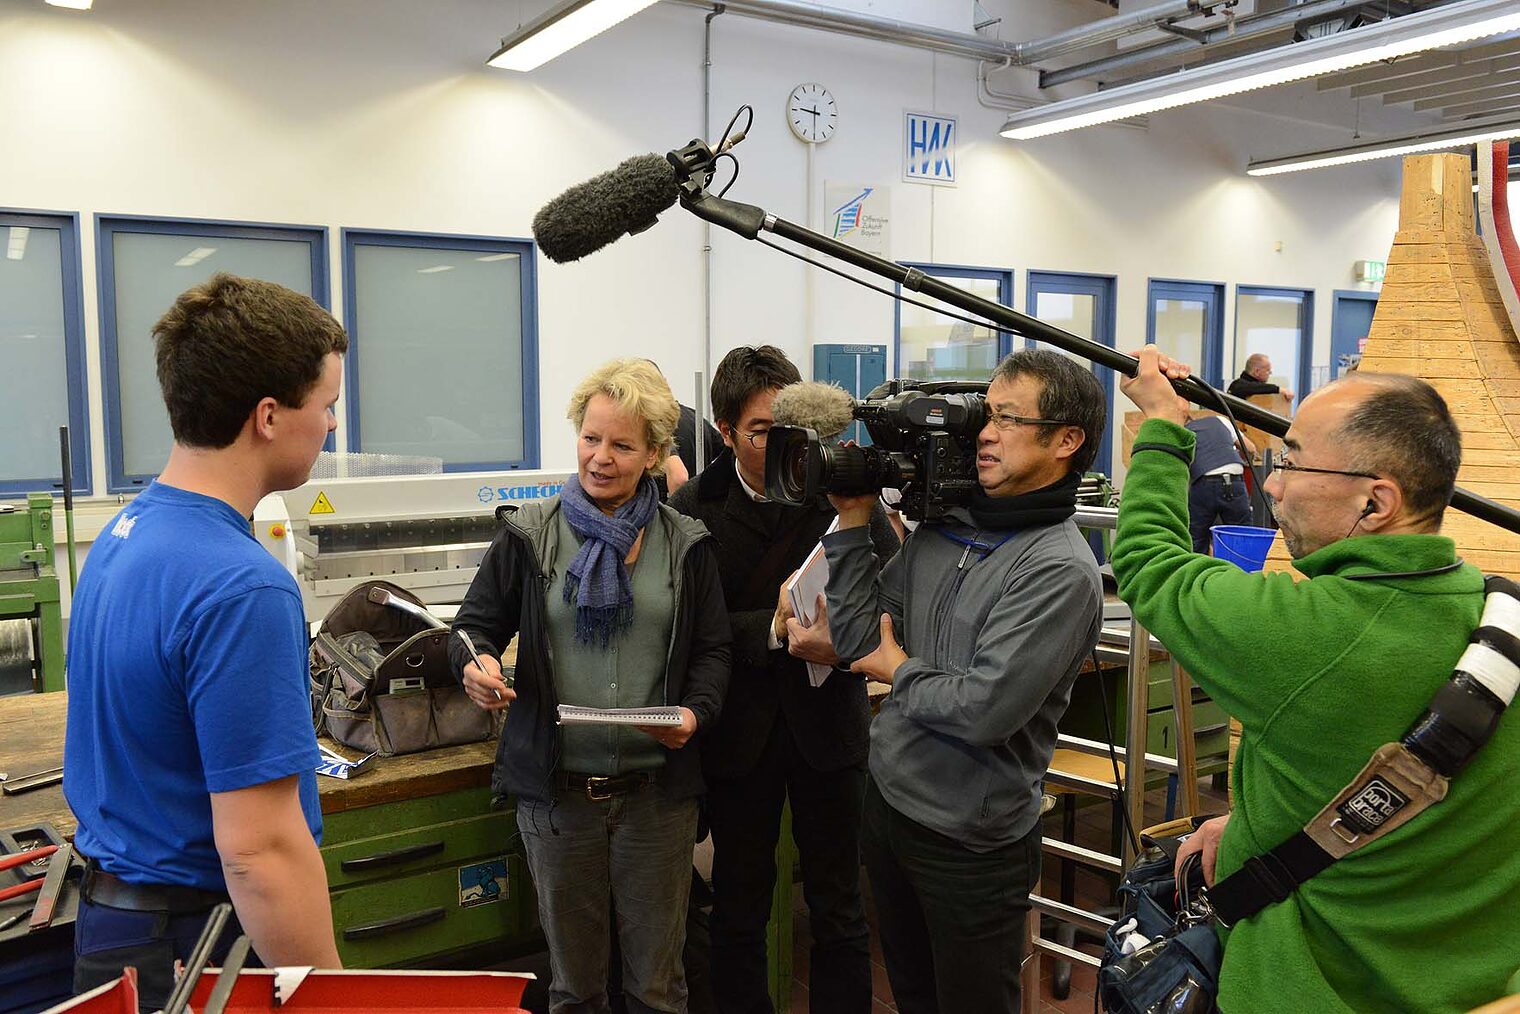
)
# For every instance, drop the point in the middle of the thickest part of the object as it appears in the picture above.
(31, 739)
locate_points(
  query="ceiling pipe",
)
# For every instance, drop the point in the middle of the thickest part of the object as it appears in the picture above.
(1109, 29)
(866, 26)
(1245, 28)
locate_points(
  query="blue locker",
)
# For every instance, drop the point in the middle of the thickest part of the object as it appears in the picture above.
(857, 369)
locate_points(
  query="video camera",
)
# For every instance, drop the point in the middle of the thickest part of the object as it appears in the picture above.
(924, 444)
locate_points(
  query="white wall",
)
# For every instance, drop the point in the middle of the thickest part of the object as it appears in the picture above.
(381, 114)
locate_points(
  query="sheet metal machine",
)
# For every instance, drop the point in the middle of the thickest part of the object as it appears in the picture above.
(426, 533)
(31, 623)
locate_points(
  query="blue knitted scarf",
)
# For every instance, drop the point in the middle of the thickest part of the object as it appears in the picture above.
(597, 579)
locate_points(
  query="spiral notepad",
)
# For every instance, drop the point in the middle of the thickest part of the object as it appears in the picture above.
(570, 714)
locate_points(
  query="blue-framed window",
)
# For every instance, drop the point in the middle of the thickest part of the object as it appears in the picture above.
(443, 353)
(1186, 321)
(1278, 323)
(42, 336)
(144, 265)
(930, 346)
(1084, 305)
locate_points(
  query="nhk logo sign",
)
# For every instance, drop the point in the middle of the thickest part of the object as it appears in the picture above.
(509, 494)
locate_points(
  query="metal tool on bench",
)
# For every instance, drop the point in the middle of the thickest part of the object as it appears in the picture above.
(35, 780)
(52, 887)
(21, 859)
(179, 1000)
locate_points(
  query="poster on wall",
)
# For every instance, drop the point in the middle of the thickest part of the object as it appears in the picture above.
(929, 148)
(859, 215)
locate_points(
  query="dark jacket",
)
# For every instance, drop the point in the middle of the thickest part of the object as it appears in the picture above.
(759, 546)
(507, 598)
(1245, 385)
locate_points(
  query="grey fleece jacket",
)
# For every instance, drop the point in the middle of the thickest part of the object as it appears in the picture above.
(994, 644)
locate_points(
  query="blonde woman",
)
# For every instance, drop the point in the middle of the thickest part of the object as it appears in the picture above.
(617, 604)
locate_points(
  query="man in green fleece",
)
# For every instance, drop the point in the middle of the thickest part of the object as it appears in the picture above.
(1321, 672)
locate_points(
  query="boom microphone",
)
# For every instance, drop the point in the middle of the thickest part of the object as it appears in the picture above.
(588, 216)
(826, 409)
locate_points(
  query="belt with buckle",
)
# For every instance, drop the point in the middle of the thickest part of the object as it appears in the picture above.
(101, 888)
(602, 787)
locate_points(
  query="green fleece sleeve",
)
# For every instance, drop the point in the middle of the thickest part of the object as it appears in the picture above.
(1222, 624)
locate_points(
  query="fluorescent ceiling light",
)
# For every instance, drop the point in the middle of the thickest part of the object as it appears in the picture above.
(195, 256)
(1455, 136)
(74, 5)
(561, 28)
(16, 248)
(495, 257)
(1434, 28)
(435, 269)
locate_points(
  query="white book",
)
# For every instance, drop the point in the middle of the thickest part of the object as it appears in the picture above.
(803, 590)
(570, 714)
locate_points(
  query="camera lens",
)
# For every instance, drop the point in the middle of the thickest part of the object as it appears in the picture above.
(792, 465)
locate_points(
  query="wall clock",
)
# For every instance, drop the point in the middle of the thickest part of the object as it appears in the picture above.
(812, 113)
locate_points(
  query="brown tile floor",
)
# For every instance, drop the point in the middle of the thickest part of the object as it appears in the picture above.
(1093, 892)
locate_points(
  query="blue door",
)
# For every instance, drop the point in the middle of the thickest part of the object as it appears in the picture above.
(1350, 320)
(1186, 321)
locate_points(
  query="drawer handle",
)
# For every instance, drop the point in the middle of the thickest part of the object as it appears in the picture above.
(401, 922)
(393, 858)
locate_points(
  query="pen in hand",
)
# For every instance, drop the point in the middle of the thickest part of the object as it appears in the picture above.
(469, 646)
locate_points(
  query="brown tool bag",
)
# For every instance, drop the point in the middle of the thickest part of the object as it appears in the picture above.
(380, 679)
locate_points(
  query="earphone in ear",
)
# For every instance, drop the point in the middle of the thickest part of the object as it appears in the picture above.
(1369, 508)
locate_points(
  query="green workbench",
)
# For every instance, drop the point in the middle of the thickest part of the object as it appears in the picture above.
(419, 866)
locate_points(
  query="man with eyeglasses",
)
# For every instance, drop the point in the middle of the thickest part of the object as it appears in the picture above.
(779, 736)
(998, 608)
(1320, 673)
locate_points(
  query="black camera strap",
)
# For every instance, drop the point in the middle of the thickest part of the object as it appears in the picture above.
(1402, 779)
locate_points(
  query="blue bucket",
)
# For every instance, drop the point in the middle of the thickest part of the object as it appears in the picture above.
(1244, 546)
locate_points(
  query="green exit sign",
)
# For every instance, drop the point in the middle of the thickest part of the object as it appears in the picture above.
(1370, 271)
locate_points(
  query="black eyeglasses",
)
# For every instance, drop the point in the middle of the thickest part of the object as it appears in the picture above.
(756, 439)
(1284, 465)
(1004, 421)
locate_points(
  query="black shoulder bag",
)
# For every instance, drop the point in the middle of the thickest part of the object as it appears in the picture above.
(1177, 971)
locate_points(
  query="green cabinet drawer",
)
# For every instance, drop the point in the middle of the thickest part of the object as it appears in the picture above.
(1211, 733)
(405, 921)
(371, 821)
(393, 839)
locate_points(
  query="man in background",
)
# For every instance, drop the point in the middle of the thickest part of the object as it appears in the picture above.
(189, 756)
(779, 737)
(1255, 379)
(682, 464)
(1217, 492)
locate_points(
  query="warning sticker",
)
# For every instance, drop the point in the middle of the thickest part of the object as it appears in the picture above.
(482, 883)
(321, 505)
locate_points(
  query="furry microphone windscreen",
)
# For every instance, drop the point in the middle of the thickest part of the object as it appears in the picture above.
(824, 408)
(590, 215)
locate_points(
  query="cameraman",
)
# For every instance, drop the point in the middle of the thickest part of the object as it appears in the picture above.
(999, 610)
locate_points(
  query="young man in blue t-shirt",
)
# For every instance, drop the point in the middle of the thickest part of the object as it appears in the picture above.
(189, 754)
